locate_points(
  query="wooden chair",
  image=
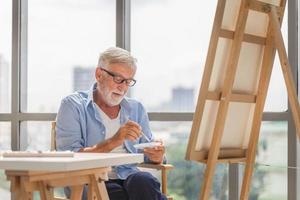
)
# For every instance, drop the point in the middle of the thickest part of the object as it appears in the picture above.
(159, 167)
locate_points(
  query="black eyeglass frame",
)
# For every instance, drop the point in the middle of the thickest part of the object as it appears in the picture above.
(119, 79)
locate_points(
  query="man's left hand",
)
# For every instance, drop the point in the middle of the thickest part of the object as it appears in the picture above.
(155, 154)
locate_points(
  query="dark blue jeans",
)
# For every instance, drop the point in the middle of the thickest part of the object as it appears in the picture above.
(137, 186)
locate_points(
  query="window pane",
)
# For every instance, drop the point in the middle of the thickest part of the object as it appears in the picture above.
(5, 144)
(5, 136)
(185, 180)
(171, 49)
(277, 93)
(270, 174)
(4, 186)
(63, 36)
(5, 55)
(38, 135)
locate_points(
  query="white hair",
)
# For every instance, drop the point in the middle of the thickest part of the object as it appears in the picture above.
(116, 55)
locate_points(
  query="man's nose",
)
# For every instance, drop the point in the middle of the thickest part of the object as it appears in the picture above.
(123, 86)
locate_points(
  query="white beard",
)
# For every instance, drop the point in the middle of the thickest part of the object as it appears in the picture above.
(109, 97)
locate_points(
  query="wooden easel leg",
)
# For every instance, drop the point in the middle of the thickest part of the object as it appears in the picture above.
(99, 186)
(91, 190)
(268, 61)
(267, 66)
(45, 192)
(25, 194)
(208, 179)
(15, 188)
(76, 192)
(164, 182)
(286, 68)
(256, 124)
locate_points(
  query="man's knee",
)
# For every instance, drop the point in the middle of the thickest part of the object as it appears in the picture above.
(142, 185)
(143, 180)
(115, 191)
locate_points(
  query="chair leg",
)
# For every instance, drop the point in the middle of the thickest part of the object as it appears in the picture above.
(164, 182)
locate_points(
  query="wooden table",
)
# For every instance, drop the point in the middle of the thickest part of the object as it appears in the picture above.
(44, 174)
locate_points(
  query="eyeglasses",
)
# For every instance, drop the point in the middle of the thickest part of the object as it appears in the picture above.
(119, 79)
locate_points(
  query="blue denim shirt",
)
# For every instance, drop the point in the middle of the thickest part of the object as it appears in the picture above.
(79, 125)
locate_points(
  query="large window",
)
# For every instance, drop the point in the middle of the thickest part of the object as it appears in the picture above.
(64, 41)
(5, 55)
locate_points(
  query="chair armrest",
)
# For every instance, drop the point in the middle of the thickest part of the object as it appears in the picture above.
(156, 166)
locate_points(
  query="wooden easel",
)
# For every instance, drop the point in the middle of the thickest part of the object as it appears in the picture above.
(272, 42)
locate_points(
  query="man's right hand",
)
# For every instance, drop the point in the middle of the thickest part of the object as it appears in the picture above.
(128, 131)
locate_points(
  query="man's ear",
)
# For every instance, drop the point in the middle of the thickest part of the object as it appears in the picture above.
(98, 73)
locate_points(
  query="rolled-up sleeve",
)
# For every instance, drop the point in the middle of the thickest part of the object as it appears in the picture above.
(68, 127)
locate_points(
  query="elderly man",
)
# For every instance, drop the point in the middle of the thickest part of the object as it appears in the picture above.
(104, 120)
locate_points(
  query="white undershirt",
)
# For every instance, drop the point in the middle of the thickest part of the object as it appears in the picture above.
(111, 126)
